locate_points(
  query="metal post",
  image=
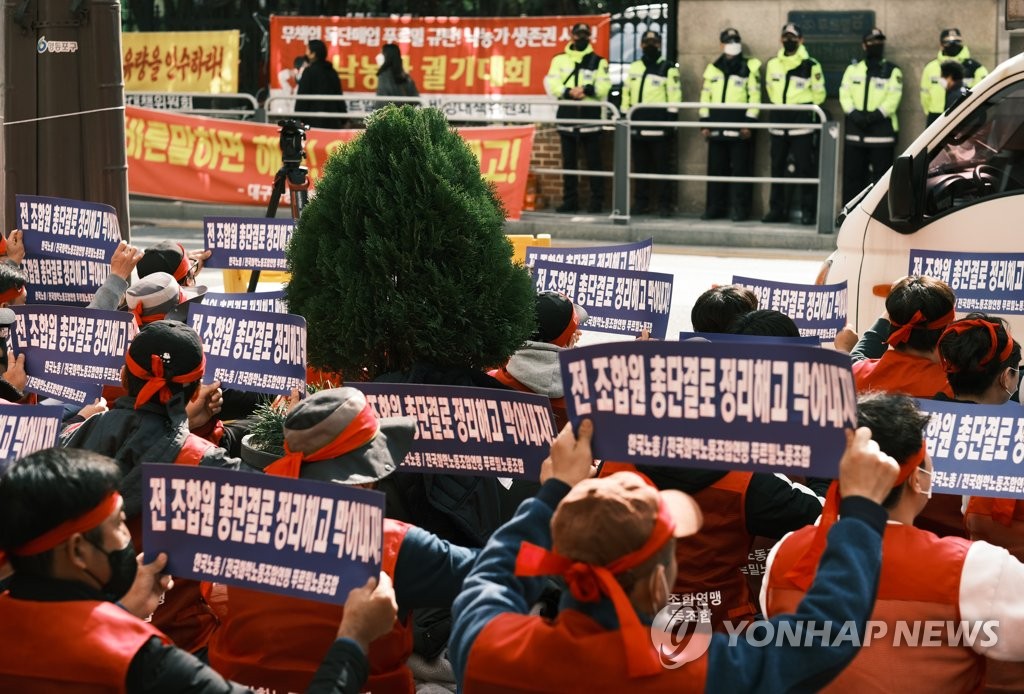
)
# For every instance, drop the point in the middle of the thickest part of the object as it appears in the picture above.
(620, 169)
(828, 172)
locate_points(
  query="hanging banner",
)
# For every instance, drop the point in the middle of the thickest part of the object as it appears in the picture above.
(247, 350)
(70, 351)
(180, 61)
(306, 539)
(626, 256)
(819, 310)
(986, 282)
(68, 248)
(469, 431)
(25, 429)
(723, 406)
(234, 163)
(622, 302)
(977, 450)
(247, 243)
(268, 302)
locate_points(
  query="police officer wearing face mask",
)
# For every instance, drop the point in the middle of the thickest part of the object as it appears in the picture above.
(579, 74)
(651, 80)
(870, 96)
(793, 77)
(732, 79)
(933, 86)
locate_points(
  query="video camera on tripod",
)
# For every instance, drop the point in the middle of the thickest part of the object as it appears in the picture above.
(293, 141)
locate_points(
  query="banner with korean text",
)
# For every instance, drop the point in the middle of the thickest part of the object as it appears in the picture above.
(249, 350)
(809, 340)
(625, 256)
(302, 538)
(68, 247)
(977, 450)
(622, 302)
(25, 429)
(987, 282)
(70, 351)
(469, 431)
(819, 310)
(180, 61)
(247, 243)
(232, 162)
(723, 406)
(271, 302)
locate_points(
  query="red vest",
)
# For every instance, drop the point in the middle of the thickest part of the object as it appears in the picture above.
(73, 646)
(898, 372)
(557, 404)
(982, 526)
(920, 581)
(278, 642)
(573, 653)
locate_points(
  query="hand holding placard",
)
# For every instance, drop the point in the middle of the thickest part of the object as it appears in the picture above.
(571, 460)
(864, 470)
(149, 586)
(370, 612)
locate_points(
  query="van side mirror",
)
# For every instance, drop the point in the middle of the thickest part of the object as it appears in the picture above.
(906, 184)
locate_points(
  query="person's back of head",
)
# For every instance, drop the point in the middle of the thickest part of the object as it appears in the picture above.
(12, 284)
(976, 351)
(319, 50)
(559, 319)
(165, 359)
(169, 257)
(897, 425)
(716, 309)
(392, 61)
(766, 322)
(45, 490)
(952, 69)
(919, 308)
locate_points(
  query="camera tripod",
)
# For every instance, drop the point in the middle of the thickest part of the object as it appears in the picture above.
(292, 175)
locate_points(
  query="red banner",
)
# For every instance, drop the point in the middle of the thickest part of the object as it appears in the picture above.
(444, 55)
(233, 163)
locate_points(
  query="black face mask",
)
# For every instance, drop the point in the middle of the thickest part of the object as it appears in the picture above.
(874, 51)
(123, 567)
(652, 52)
(790, 45)
(580, 44)
(952, 50)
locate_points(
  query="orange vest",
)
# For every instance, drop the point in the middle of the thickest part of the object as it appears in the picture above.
(72, 646)
(982, 526)
(277, 642)
(557, 404)
(573, 653)
(898, 372)
(920, 581)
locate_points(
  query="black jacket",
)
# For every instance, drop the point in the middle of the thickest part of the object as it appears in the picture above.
(320, 78)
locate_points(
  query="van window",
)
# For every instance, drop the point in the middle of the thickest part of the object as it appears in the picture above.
(982, 158)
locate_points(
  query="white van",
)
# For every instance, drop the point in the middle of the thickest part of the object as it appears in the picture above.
(959, 188)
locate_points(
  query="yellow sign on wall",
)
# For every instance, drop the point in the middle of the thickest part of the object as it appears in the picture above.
(180, 61)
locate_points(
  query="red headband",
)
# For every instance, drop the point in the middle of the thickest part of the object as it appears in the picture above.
(803, 571)
(181, 272)
(574, 322)
(156, 383)
(11, 294)
(918, 322)
(588, 583)
(963, 326)
(141, 320)
(360, 431)
(51, 538)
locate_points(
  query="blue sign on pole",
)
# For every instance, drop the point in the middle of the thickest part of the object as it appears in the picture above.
(987, 282)
(626, 256)
(247, 243)
(819, 310)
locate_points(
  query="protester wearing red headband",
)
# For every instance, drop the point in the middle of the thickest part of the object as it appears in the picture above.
(62, 523)
(172, 258)
(334, 436)
(925, 579)
(612, 539)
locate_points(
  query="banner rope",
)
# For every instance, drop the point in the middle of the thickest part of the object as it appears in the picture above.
(64, 115)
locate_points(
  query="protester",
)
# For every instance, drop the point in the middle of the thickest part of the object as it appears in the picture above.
(766, 322)
(934, 88)
(952, 74)
(74, 616)
(964, 582)
(392, 79)
(612, 539)
(158, 296)
(334, 436)
(319, 77)
(716, 309)
(535, 368)
(172, 258)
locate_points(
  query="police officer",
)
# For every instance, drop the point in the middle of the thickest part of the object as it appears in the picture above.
(732, 79)
(870, 96)
(793, 77)
(651, 80)
(933, 85)
(579, 74)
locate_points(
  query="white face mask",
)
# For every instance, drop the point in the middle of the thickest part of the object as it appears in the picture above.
(380, 59)
(928, 493)
(733, 48)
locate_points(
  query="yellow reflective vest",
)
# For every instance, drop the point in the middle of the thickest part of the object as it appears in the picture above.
(794, 79)
(877, 86)
(731, 80)
(586, 69)
(933, 87)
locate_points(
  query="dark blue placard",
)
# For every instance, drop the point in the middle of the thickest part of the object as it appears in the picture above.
(68, 247)
(724, 406)
(988, 282)
(626, 256)
(69, 351)
(817, 309)
(471, 431)
(25, 429)
(976, 449)
(306, 539)
(810, 340)
(623, 302)
(270, 302)
(247, 243)
(252, 350)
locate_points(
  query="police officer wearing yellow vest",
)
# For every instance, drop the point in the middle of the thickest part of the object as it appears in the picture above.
(579, 74)
(933, 85)
(870, 96)
(651, 80)
(793, 77)
(732, 79)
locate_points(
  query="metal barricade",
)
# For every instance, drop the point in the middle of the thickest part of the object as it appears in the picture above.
(283, 105)
(828, 161)
(185, 102)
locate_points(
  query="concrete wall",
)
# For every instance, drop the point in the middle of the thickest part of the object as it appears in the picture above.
(911, 26)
